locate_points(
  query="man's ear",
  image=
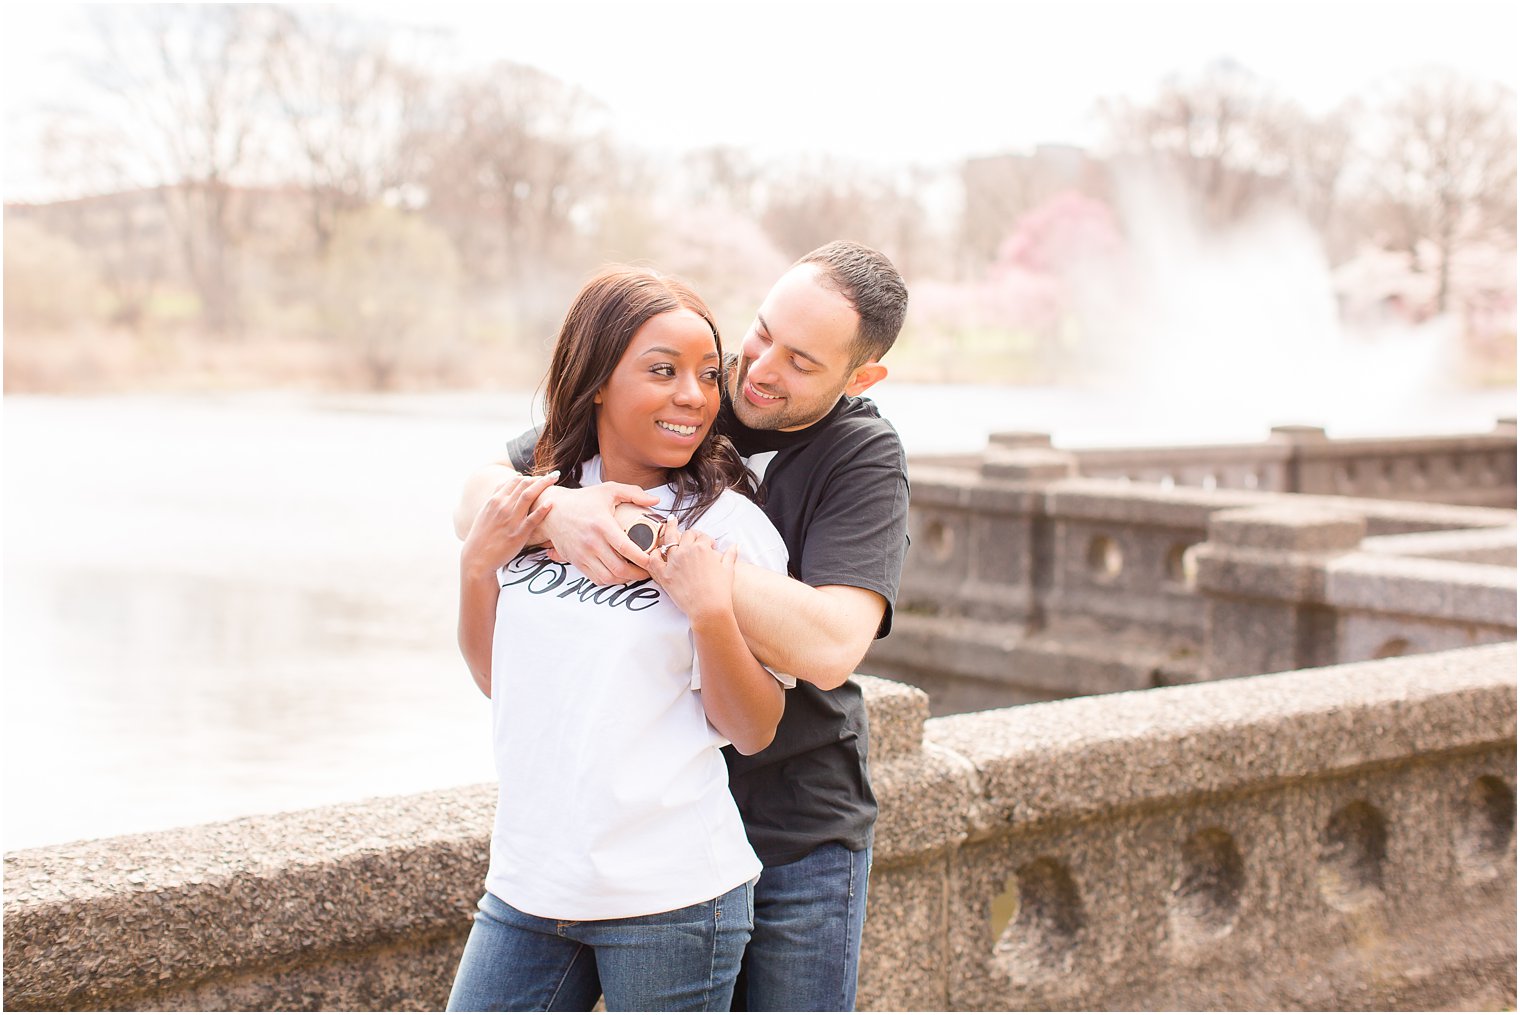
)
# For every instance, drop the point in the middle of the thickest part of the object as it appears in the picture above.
(863, 376)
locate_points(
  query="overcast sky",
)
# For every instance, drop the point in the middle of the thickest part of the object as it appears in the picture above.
(927, 81)
(937, 80)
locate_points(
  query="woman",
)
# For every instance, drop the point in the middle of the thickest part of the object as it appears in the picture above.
(619, 864)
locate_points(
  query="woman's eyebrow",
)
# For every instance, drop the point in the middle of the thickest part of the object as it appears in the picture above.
(665, 350)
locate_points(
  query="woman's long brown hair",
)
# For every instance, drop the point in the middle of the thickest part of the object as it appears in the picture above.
(598, 327)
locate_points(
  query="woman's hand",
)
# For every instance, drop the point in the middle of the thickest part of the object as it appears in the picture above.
(505, 522)
(696, 576)
(740, 697)
(500, 530)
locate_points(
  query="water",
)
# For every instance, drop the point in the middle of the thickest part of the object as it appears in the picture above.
(217, 606)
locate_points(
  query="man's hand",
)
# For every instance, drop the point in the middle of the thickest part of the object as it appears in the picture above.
(585, 532)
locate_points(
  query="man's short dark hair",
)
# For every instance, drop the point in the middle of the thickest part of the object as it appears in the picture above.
(873, 287)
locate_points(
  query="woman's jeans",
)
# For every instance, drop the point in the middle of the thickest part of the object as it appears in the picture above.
(683, 960)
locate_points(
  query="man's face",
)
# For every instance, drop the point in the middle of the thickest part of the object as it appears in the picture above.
(795, 361)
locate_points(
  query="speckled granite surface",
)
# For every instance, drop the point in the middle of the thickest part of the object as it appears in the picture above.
(1335, 838)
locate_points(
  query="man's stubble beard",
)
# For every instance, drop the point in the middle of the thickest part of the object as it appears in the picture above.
(785, 416)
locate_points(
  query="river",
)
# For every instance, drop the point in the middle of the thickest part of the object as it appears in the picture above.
(221, 605)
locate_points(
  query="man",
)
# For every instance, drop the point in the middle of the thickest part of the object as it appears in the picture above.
(835, 485)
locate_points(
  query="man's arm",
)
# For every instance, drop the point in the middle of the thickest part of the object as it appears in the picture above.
(743, 701)
(815, 634)
(483, 482)
(582, 526)
(819, 628)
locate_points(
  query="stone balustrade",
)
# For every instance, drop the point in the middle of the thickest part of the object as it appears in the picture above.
(1026, 583)
(1470, 469)
(1333, 838)
(1474, 546)
(1287, 587)
(1340, 838)
(361, 907)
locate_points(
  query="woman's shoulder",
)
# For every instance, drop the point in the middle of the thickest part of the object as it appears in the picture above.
(732, 510)
(735, 520)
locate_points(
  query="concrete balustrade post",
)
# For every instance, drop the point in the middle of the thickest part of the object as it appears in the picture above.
(1298, 434)
(1262, 574)
(1019, 439)
(1028, 463)
(925, 794)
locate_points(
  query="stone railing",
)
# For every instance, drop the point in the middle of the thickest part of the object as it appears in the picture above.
(1327, 839)
(362, 907)
(1472, 469)
(1336, 838)
(1025, 584)
(1290, 585)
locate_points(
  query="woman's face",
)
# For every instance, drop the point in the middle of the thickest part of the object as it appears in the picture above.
(660, 400)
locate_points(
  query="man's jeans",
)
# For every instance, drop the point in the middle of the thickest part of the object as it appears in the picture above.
(805, 951)
(683, 960)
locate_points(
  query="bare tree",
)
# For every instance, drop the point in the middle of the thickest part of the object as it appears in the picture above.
(812, 203)
(345, 99)
(808, 205)
(49, 280)
(1319, 152)
(390, 294)
(188, 91)
(998, 189)
(1445, 170)
(1224, 132)
(506, 164)
(727, 175)
(119, 225)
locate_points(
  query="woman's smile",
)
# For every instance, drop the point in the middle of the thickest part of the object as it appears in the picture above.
(680, 429)
(660, 401)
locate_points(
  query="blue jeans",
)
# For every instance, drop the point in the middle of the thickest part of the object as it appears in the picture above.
(683, 960)
(805, 952)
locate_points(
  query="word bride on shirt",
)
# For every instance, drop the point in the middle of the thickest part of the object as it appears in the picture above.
(536, 573)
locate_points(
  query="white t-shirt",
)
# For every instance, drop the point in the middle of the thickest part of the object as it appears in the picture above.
(614, 797)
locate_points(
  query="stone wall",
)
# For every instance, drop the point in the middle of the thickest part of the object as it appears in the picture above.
(1472, 469)
(1333, 838)
(1326, 839)
(358, 907)
(1027, 584)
